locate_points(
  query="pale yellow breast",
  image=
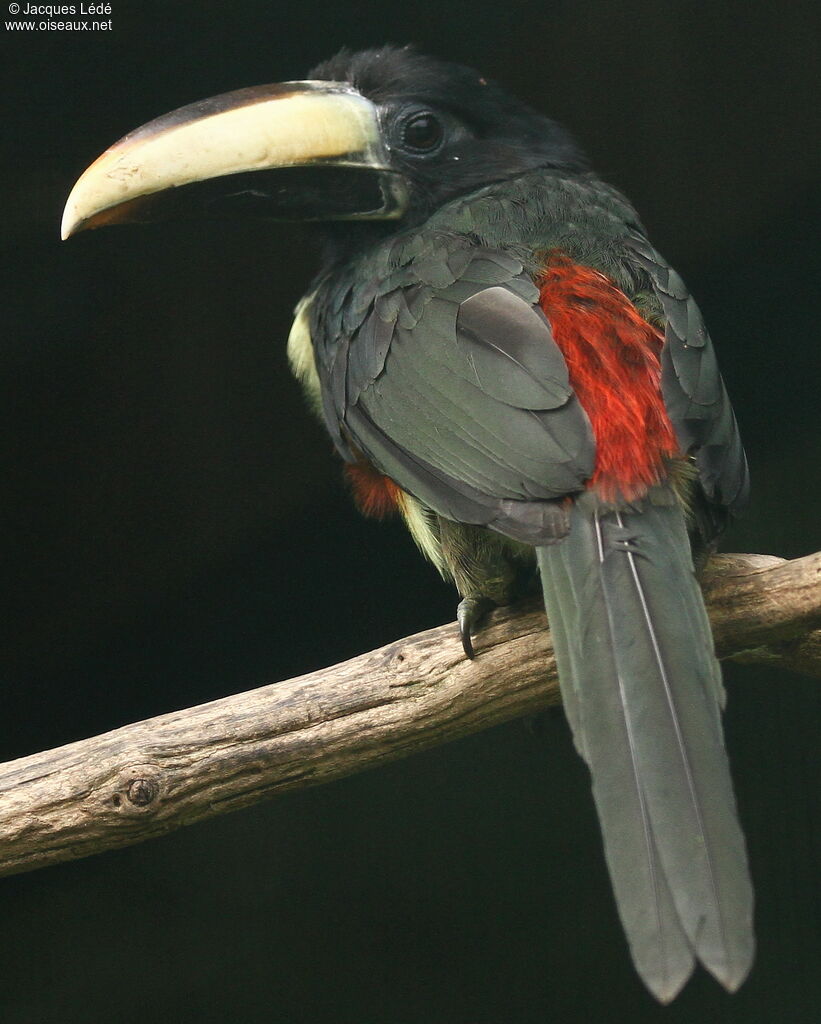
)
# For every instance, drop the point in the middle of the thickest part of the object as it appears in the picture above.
(301, 354)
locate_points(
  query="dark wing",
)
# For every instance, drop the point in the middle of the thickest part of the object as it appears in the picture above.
(694, 393)
(452, 385)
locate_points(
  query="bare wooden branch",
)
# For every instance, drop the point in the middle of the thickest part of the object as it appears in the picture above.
(154, 776)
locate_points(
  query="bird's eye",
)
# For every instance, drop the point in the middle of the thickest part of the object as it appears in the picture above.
(422, 132)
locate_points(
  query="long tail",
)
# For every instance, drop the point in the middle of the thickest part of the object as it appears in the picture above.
(643, 694)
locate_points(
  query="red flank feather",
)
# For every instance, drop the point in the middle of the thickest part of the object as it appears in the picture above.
(612, 354)
(376, 496)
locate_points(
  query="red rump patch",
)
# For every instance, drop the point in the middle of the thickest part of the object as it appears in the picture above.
(376, 496)
(612, 355)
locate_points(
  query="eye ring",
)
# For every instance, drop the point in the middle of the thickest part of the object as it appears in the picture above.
(421, 132)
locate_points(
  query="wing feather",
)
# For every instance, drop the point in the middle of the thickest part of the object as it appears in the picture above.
(450, 381)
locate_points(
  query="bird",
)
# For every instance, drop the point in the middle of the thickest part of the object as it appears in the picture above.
(502, 357)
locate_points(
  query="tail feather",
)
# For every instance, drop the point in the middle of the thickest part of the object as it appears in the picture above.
(643, 691)
(658, 945)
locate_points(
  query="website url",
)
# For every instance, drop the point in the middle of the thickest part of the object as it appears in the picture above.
(58, 26)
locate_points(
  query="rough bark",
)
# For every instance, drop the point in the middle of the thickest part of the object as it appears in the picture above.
(154, 776)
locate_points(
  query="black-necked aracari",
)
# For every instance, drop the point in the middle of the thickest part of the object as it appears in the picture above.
(501, 355)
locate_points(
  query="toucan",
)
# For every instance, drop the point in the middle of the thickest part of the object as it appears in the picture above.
(502, 357)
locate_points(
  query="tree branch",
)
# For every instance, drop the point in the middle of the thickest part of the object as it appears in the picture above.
(151, 777)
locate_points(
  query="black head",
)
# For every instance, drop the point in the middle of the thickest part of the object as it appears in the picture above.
(449, 130)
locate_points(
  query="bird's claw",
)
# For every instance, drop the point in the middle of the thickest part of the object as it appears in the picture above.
(469, 614)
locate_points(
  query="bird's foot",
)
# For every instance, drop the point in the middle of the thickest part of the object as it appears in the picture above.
(469, 614)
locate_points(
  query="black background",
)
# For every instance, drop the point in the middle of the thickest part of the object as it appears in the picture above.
(174, 529)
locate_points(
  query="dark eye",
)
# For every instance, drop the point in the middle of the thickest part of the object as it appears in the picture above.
(422, 132)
